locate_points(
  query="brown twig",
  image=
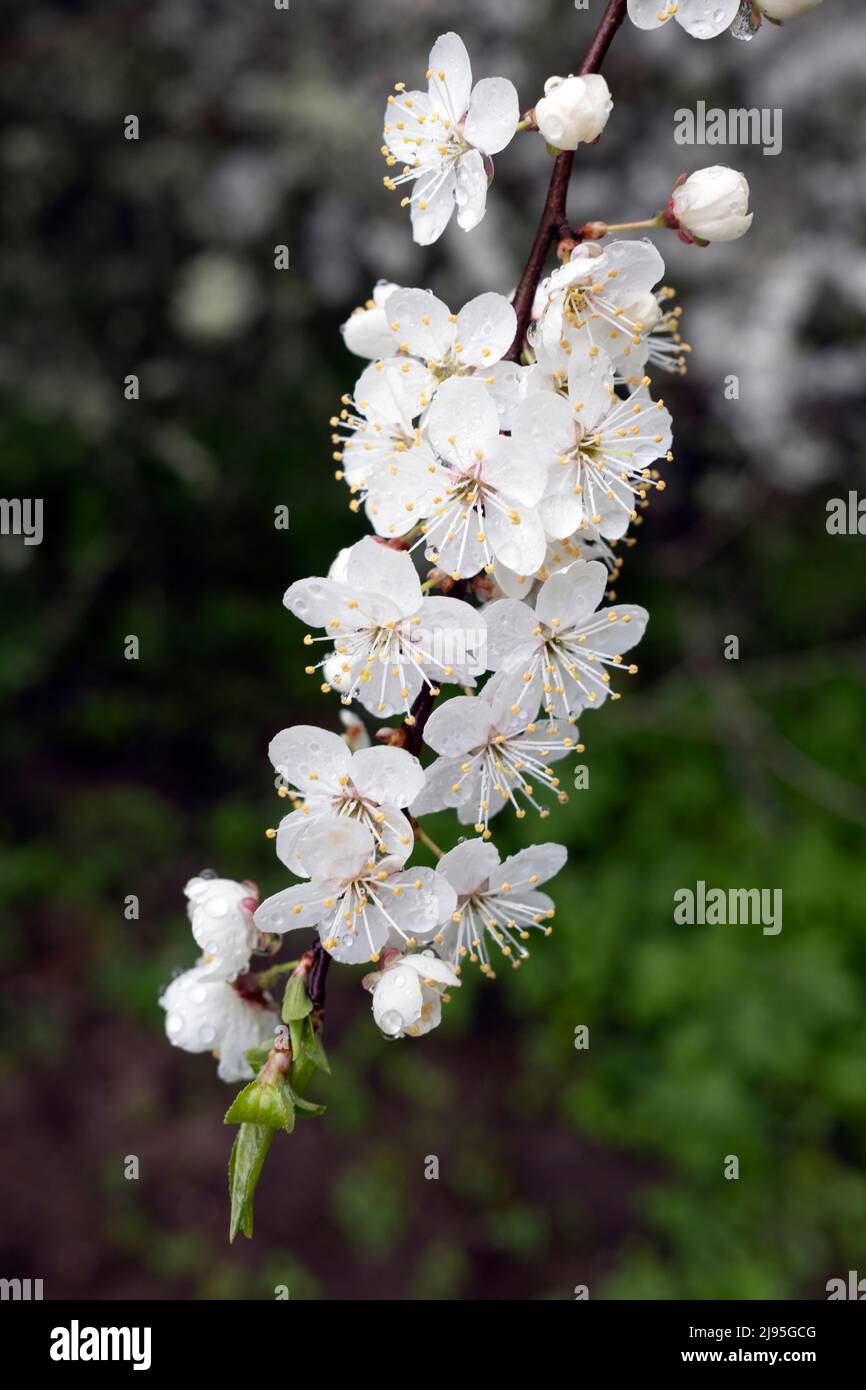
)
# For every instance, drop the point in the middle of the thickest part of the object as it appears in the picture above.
(553, 219)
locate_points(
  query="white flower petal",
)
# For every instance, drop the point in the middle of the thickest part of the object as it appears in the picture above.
(468, 866)
(367, 332)
(458, 725)
(302, 905)
(570, 596)
(433, 203)
(705, 19)
(421, 324)
(462, 420)
(430, 967)
(309, 758)
(336, 847)
(519, 475)
(485, 329)
(544, 424)
(620, 636)
(494, 111)
(645, 13)
(453, 637)
(450, 81)
(437, 792)
(377, 568)
(470, 190)
(517, 539)
(537, 863)
(387, 775)
(510, 640)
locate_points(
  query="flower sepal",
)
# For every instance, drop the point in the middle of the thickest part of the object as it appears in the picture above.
(267, 1100)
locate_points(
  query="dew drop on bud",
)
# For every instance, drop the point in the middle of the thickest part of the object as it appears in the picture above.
(391, 1023)
(745, 26)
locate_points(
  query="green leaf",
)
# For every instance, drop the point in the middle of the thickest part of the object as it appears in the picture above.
(315, 1050)
(296, 1001)
(257, 1056)
(266, 1103)
(306, 1042)
(307, 1107)
(248, 1155)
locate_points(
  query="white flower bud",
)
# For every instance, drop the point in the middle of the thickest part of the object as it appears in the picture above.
(573, 110)
(203, 1014)
(222, 924)
(787, 9)
(713, 204)
(407, 994)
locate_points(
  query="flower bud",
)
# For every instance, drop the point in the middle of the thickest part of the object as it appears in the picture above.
(222, 924)
(786, 9)
(407, 993)
(712, 204)
(573, 110)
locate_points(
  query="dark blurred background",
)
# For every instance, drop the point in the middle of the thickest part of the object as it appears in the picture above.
(261, 127)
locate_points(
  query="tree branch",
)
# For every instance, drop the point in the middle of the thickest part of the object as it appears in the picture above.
(553, 218)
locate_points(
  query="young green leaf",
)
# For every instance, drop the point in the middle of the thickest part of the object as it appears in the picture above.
(267, 1103)
(248, 1155)
(296, 1001)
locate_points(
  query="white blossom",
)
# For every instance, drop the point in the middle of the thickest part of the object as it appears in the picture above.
(221, 916)
(573, 110)
(387, 463)
(497, 903)
(444, 137)
(370, 786)
(703, 19)
(599, 448)
(596, 302)
(558, 652)
(491, 756)
(389, 639)
(408, 993)
(358, 903)
(469, 343)
(712, 204)
(205, 1014)
(487, 510)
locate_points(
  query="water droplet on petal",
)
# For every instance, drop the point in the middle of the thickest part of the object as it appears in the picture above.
(391, 1023)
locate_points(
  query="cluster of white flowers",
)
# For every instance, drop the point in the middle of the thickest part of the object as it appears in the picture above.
(207, 1009)
(496, 489)
(498, 465)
